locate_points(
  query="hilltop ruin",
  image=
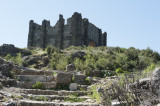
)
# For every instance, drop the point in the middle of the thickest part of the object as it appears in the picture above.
(77, 32)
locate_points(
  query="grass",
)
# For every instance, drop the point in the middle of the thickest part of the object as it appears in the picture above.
(74, 98)
(41, 98)
(16, 96)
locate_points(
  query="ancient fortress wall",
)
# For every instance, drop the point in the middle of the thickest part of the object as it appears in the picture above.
(76, 32)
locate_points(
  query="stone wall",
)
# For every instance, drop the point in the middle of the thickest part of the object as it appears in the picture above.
(76, 32)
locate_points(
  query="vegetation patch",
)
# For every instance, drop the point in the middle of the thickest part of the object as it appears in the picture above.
(74, 98)
(38, 85)
(95, 95)
(41, 98)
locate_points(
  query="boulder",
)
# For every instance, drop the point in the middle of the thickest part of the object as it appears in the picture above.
(6, 49)
(5, 70)
(63, 78)
(32, 60)
(38, 60)
(70, 67)
(78, 54)
(2, 61)
(73, 86)
(80, 79)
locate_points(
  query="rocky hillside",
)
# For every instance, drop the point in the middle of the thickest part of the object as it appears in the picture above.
(84, 58)
(77, 76)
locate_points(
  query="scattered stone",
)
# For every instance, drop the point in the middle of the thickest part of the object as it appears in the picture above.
(70, 67)
(73, 86)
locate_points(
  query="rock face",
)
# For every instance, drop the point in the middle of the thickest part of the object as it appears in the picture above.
(156, 74)
(76, 32)
(155, 81)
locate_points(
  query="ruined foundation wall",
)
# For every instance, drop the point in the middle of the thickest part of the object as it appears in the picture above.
(76, 32)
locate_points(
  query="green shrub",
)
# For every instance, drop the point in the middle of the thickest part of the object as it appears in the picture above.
(41, 98)
(19, 59)
(73, 79)
(38, 85)
(87, 81)
(15, 59)
(51, 49)
(119, 70)
(95, 94)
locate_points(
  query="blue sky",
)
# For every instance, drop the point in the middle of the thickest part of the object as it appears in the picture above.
(128, 22)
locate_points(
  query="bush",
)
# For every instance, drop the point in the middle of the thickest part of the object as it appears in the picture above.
(119, 70)
(19, 59)
(51, 49)
(38, 85)
(15, 59)
(95, 94)
(41, 98)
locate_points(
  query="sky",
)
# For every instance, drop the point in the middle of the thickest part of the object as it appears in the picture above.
(129, 23)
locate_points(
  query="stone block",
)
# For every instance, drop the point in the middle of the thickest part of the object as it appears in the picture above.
(80, 79)
(93, 73)
(73, 86)
(50, 78)
(63, 78)
(33, 78)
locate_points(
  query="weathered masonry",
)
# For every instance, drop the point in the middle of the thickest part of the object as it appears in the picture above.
(76, 32)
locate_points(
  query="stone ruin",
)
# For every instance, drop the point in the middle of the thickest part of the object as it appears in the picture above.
(77, 32)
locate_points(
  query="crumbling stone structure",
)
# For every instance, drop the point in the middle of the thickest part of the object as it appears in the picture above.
(76, 32)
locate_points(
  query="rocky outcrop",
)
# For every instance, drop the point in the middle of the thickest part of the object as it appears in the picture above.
(6, 49)
(76, 32)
